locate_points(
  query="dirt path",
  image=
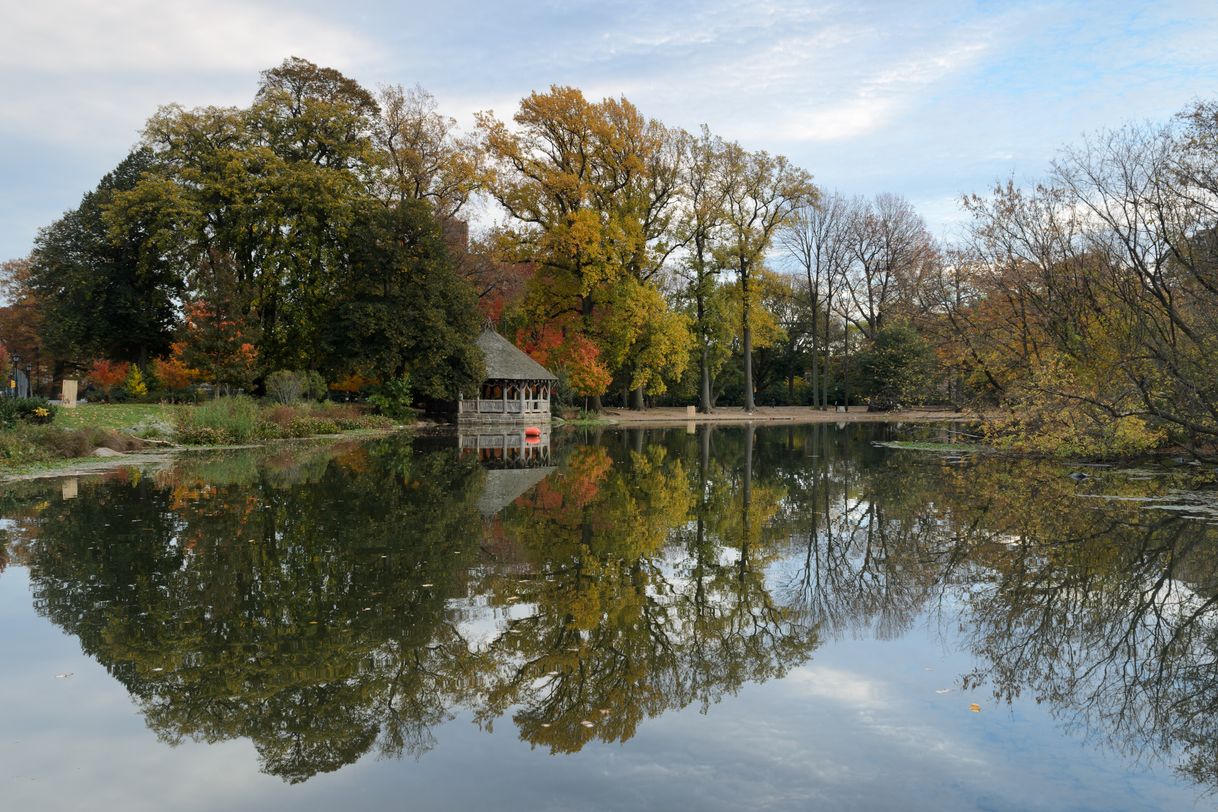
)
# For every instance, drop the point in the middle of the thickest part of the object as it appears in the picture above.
(677, 415)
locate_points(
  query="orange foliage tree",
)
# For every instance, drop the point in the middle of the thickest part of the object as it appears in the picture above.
(587, 373)
(106, 374)
(219, 347)
(173, 372)
(571, 352)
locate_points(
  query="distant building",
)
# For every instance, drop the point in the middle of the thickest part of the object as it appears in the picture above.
(516, 387)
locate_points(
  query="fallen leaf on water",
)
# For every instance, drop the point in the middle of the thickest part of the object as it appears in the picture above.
(586, 723)
(63, 676)
(975, 708)
(943, 691)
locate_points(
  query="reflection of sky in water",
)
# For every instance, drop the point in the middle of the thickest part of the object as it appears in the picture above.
(866, 723)
(859, 727)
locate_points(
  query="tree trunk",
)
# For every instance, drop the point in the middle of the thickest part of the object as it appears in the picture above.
(636, 399)
(704, 395)
(596, 403)
(749, 405)
(846, 366)
(815, 375)
(828, 350)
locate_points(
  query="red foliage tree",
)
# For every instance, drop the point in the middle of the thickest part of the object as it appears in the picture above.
(106, 374)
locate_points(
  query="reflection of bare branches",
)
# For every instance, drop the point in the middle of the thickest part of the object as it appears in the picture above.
(639, 578)
(1104, 611)
(1110, 619)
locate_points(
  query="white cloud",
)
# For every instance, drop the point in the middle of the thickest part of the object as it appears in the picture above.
(88, 74)
(156, 35)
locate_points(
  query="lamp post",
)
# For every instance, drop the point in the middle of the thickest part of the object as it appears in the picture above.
(12, 375)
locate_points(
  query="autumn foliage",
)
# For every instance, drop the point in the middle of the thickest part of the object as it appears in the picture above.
(106, 374)
(173, 373)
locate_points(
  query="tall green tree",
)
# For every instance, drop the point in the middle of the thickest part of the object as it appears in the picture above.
(274, 188)
(699, 229)
(105, 292)
(403, 309)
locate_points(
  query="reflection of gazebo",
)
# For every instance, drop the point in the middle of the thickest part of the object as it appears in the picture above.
(515, 462)
(506, 447)
(515, 388)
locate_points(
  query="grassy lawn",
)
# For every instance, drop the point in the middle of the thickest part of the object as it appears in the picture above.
(117, 416)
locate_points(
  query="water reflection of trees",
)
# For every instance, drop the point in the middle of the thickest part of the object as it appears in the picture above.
(330, 603)
(627, 625)
(1100, 607)
(283, 603)
(1085, 596)
(348, 600)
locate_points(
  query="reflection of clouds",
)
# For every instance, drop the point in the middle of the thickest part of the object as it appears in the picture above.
(82, 731)
(845, 687)
(875, 709)
(480, 624)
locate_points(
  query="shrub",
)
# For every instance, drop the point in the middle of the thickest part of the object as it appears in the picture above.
(315, 386)
(152, 428)
(897, 368)
(38, 411)
(282, 415)
(202, 435)
(175, 378)
(289, 386)
(237, 419)
(394, 399)
(18, 448)
(106, 375)
(363, 421)
(285, 386)
(306, 426)
(69, 443)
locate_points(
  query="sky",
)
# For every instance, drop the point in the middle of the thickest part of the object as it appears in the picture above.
(931, 99)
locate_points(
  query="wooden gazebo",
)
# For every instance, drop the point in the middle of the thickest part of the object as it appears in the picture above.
(516, 387)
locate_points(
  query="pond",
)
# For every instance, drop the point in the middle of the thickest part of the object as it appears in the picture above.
(708, 618)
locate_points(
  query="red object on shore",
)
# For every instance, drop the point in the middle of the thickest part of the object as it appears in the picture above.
(532, 431)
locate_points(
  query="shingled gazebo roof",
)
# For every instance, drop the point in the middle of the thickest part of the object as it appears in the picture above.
(505, 362)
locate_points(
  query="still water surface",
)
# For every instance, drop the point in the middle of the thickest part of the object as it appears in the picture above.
(728, 618)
